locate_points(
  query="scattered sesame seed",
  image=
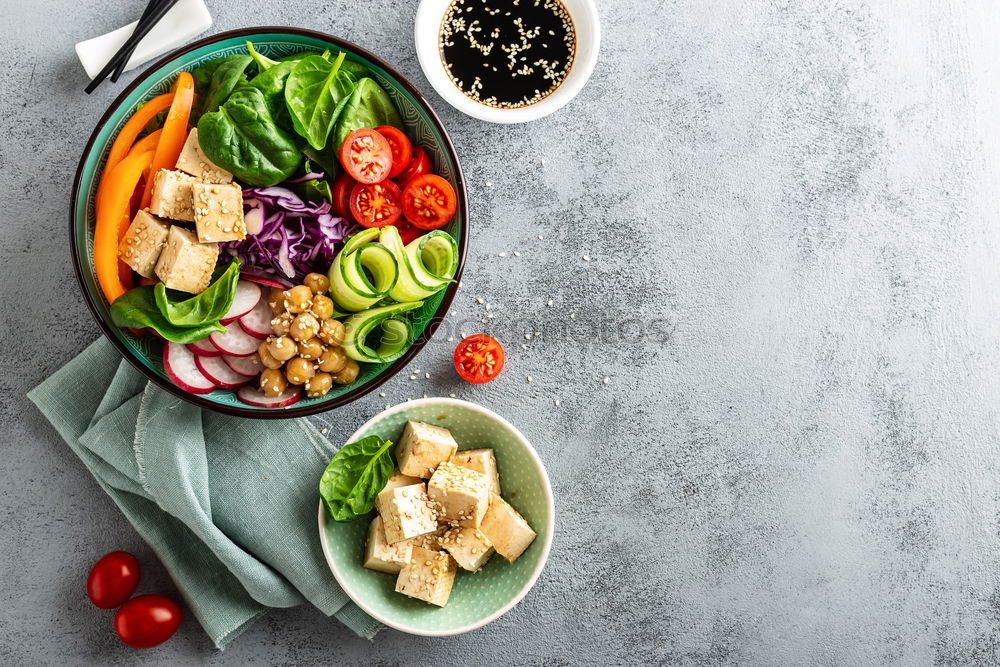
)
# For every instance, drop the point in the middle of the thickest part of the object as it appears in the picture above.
(324, 431)
(606, 380)
(517, 254)
(556, 402)
(527, 336)
(480, 301)
(502, 254)
(549, 302)
(523, 346)
(586, 258)
(572, 316)
(427, 375)
(382, 394)
(531, 379)
(488, 184)
(413, 377)
(450, 338)
(451, 395)
(540, 237)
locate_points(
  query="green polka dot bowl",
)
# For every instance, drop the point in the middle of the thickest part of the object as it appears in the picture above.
(422, 125)
(476, 598)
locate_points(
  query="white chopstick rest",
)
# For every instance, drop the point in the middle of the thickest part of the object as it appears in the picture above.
(186, 20)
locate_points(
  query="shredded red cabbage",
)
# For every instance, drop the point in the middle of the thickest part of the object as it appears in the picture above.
(286, 236)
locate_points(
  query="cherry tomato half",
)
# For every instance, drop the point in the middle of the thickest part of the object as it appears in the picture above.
(366, 156)
(479, 358)
(429, 201)
(420, 164)
(113, 579)
(376, 204)
(402, 149)
(407, 232)
(147, 620)
(341, 192)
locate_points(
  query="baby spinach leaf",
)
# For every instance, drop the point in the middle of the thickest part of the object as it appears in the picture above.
(355, 476)
(272, 84)
(137, 309)
(315, 92)
(263, 62)
(243, 138)
(204, 308)
(226, 76)
(368, 106)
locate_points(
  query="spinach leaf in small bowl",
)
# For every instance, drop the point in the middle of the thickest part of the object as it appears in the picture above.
(355, 476)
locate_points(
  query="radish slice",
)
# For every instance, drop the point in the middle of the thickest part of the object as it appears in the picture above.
(204, 348)
(245, 366)
(263, 280)
(216, 370)
(235, 341)
(246, 297)
(251, 395)
(179, 363)
(257, 322)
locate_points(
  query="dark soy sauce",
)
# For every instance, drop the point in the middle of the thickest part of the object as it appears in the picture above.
(507, 53)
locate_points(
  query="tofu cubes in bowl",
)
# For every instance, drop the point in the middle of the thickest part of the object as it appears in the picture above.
(460, 532)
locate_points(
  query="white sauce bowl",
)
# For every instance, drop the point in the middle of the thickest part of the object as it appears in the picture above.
(588, 41)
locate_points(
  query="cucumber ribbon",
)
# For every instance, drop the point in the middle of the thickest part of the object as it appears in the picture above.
(395, 337)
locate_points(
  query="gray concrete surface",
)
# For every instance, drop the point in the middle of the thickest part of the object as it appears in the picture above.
(791, 206)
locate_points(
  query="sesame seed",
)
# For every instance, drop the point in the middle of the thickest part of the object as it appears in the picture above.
(606, 380)
(531, 379)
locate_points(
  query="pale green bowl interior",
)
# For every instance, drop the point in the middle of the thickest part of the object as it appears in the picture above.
(419, 127)
(476, 597)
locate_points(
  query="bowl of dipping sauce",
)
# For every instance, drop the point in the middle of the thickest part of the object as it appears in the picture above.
(507, 61)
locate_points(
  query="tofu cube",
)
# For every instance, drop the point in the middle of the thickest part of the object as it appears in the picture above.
(428, 576)
(172, 195)
(423, 447)
(185, 264)
(218, 212)
(193, 161)
(470, 548)
(382, 556)
(480, 460)
(399, 479)
(459, 494)
(507, 530)
(406, 512)
(143, 242)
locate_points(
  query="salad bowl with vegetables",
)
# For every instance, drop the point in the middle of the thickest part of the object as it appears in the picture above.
(269, 223)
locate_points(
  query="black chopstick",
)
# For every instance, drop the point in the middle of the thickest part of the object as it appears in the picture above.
(123, 61)
(141, 30)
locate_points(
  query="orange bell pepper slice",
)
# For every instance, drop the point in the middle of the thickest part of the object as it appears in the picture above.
(126, 138)
(120, 184)
(147, 143)
(175, 132)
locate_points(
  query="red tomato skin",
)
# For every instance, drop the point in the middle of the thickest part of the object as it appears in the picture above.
(341, 193)
(423, 211)
(402, 149)
(386, 192)
(113, 579)
(420, 164)
(491, 345)
(147, 620)
(366, 156)
(407, 232)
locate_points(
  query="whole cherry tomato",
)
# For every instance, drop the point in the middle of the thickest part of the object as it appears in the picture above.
(113, 579)
(147, 620)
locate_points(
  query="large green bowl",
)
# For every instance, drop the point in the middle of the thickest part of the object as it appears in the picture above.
(422, 125)
(476, 599)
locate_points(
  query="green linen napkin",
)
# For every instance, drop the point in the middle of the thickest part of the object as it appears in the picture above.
(229, 505)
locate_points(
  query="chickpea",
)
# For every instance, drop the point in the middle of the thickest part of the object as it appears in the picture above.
(304, 326)
(276, 300)
(333, 360)
(332, 332)
(266, 358)
(299, 370)
(299, 299)
(318, 385)
(282, 348)
(281, 324)
(322, 307)
(317, 282)
(311, 349)
(272, 382)
(349, 373)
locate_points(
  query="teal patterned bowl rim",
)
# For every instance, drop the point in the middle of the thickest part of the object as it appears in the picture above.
(547, 530)
(418, 116)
